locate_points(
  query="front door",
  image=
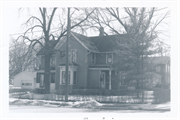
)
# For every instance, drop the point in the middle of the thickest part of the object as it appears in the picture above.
(103, 80)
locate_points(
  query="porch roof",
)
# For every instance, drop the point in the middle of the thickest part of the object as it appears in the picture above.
(105, 67)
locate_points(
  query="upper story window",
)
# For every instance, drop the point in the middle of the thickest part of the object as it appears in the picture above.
(109, 58)
(93, 58)
(42, 62)
(52, 61)
(73, 54)
(63, 53)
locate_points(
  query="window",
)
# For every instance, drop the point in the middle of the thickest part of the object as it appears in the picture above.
(27, 84)
(63, 53)
(52, 77)
(64, 77)
(72, 77)
(73, 55)
(93, 58)
(40, 79)
(42, 62)
(52, 61)
(109, 58)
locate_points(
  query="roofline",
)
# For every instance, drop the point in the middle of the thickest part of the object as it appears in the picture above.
(23, 72)
(81, 42)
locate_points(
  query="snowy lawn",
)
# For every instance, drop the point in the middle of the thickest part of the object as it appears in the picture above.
(77, 104)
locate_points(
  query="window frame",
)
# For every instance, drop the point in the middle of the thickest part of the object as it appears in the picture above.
(72, 69)
(73, 55)
(42, 62)
(52, 61)
(54, 77)
(93, 60)
(107, 58)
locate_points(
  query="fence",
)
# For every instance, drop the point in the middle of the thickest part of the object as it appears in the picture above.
(128, 96)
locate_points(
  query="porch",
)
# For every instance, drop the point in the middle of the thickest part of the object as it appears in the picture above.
(100, 77)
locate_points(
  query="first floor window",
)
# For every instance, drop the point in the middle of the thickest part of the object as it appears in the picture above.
(64, 77)
(52, 77)
(72, 77)
(40, 79)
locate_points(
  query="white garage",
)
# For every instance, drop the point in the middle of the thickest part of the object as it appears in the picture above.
(25, 80)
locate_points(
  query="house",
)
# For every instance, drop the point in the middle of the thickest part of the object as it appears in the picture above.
(25, 80)
(90, 62)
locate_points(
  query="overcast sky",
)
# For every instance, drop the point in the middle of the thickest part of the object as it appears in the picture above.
(15, 19)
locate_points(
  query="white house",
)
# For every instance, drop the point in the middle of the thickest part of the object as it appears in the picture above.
(25, 80)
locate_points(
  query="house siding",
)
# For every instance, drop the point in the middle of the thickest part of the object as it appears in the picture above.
(101, 58)
(80, 61)
(93, 79)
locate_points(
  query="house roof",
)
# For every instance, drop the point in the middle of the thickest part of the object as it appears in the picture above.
(28, 73)
(43, 50)
(160, 60)
(94, 44)
(107, 43)
(83, 40)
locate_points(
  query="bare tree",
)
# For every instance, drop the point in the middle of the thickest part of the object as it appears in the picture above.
(44, 22)
(19, 60)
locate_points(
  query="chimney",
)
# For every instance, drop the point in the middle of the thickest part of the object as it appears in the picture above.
(101, 31)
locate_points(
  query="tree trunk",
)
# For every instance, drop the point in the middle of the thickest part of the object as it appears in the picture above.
(47, 73)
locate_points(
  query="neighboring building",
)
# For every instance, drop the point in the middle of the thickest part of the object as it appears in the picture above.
(25, 80)
(90, 63)
(161, 67)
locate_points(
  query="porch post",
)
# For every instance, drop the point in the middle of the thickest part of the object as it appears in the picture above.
(109, 79)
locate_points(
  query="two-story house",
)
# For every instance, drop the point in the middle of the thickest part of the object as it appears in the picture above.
(90, 62)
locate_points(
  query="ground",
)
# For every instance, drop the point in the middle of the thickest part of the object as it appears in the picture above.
(44, 109)
(36, 106)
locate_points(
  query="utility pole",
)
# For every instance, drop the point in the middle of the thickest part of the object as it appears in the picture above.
(67, 55)
(142, 76)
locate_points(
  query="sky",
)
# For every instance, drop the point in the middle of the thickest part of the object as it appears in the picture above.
(16, 18)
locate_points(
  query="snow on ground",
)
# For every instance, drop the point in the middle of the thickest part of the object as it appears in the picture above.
(77, 104)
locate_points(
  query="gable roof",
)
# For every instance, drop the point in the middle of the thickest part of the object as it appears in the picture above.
(93, 44)
(107, 43)
(27, 73)
(43, 49)
(83, 40)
